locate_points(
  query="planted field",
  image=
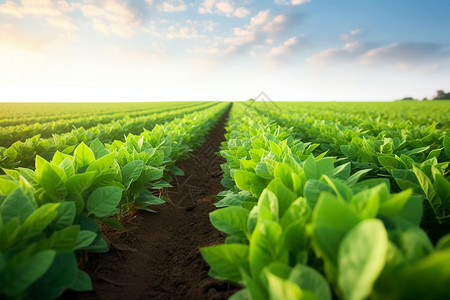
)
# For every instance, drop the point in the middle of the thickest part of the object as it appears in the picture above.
(252, 201)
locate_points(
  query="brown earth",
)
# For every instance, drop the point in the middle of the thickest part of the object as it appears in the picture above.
(158, 256)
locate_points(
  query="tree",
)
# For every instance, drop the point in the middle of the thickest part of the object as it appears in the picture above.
(441, 95)
(408, 99)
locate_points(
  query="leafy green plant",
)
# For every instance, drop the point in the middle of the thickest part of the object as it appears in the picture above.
(289, 213)
(36, 247)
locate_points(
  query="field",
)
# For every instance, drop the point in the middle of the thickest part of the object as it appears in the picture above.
(217, 200)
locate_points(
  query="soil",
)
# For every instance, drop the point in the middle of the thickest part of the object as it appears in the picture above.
(158, 256)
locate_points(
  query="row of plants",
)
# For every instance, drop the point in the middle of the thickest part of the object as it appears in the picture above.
(374, 116)
(50, 216)
(30, 113)
(22, 154)
(416, 158)
(302, 225)
(57, 125)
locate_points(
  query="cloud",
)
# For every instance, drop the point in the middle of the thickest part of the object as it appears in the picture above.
(404, 55)
(112, 16)
(287, 47)
(407, 53)
(223, 7)
(261, 27)
(292, 2)
(191, 29)
(206, 26)
(55, 13)
(352, 49)
(170, 5)
(184, 32)
(262, 30)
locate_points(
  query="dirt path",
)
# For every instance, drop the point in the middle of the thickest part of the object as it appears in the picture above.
(158, 258)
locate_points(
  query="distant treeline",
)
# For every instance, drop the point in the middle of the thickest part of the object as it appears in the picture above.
(440, 95)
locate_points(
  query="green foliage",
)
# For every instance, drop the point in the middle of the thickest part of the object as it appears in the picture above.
(51, 215)
(314, 228)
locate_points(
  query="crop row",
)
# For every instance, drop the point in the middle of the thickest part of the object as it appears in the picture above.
(29, 113)
(416, 158)
(373, 116)
(22, 154)
(302, 225)
(50, 216)
(11, 134)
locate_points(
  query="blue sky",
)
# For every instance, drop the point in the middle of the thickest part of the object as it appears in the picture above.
(148, 50)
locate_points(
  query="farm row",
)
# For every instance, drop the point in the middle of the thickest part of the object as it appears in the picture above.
(344, 206)
(50, 213)
(323, 201)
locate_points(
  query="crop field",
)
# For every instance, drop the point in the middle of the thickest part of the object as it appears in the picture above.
(225, 200)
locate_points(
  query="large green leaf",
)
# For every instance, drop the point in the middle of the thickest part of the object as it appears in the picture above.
(52, 179)
(7, 186)
(249, 181)
(361, 258)
(82, 282)
(58, 278)
(309, 279)
(231, 220)
(227, 260)
(83, 156)
(17, 204)
(65, 215)
(62, 240)
(332, 219)
(446, 144)
(38, 220)
(280, 288)
(428, 278)
(85, 238)
(80, 182)
(28, 272)
(102, 164)
(131, 172)
(284, 195)
(265, 245)
(103, 201)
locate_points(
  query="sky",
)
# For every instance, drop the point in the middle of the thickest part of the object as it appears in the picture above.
(162, 50)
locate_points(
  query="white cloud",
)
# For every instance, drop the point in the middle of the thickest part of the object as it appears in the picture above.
(354, 34)
(191, 29)
(12, 9)
(184, 32)
(241, 12)
(171, 6)
(112, 17)
(225, 7)
(405, 55)
(56, 13)
(292, 2)
(222, 7)
(284, 49)
(260, 25)
(260, 31)
(261, 18)
(352, 48)
(205, 26)
(298, 2)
